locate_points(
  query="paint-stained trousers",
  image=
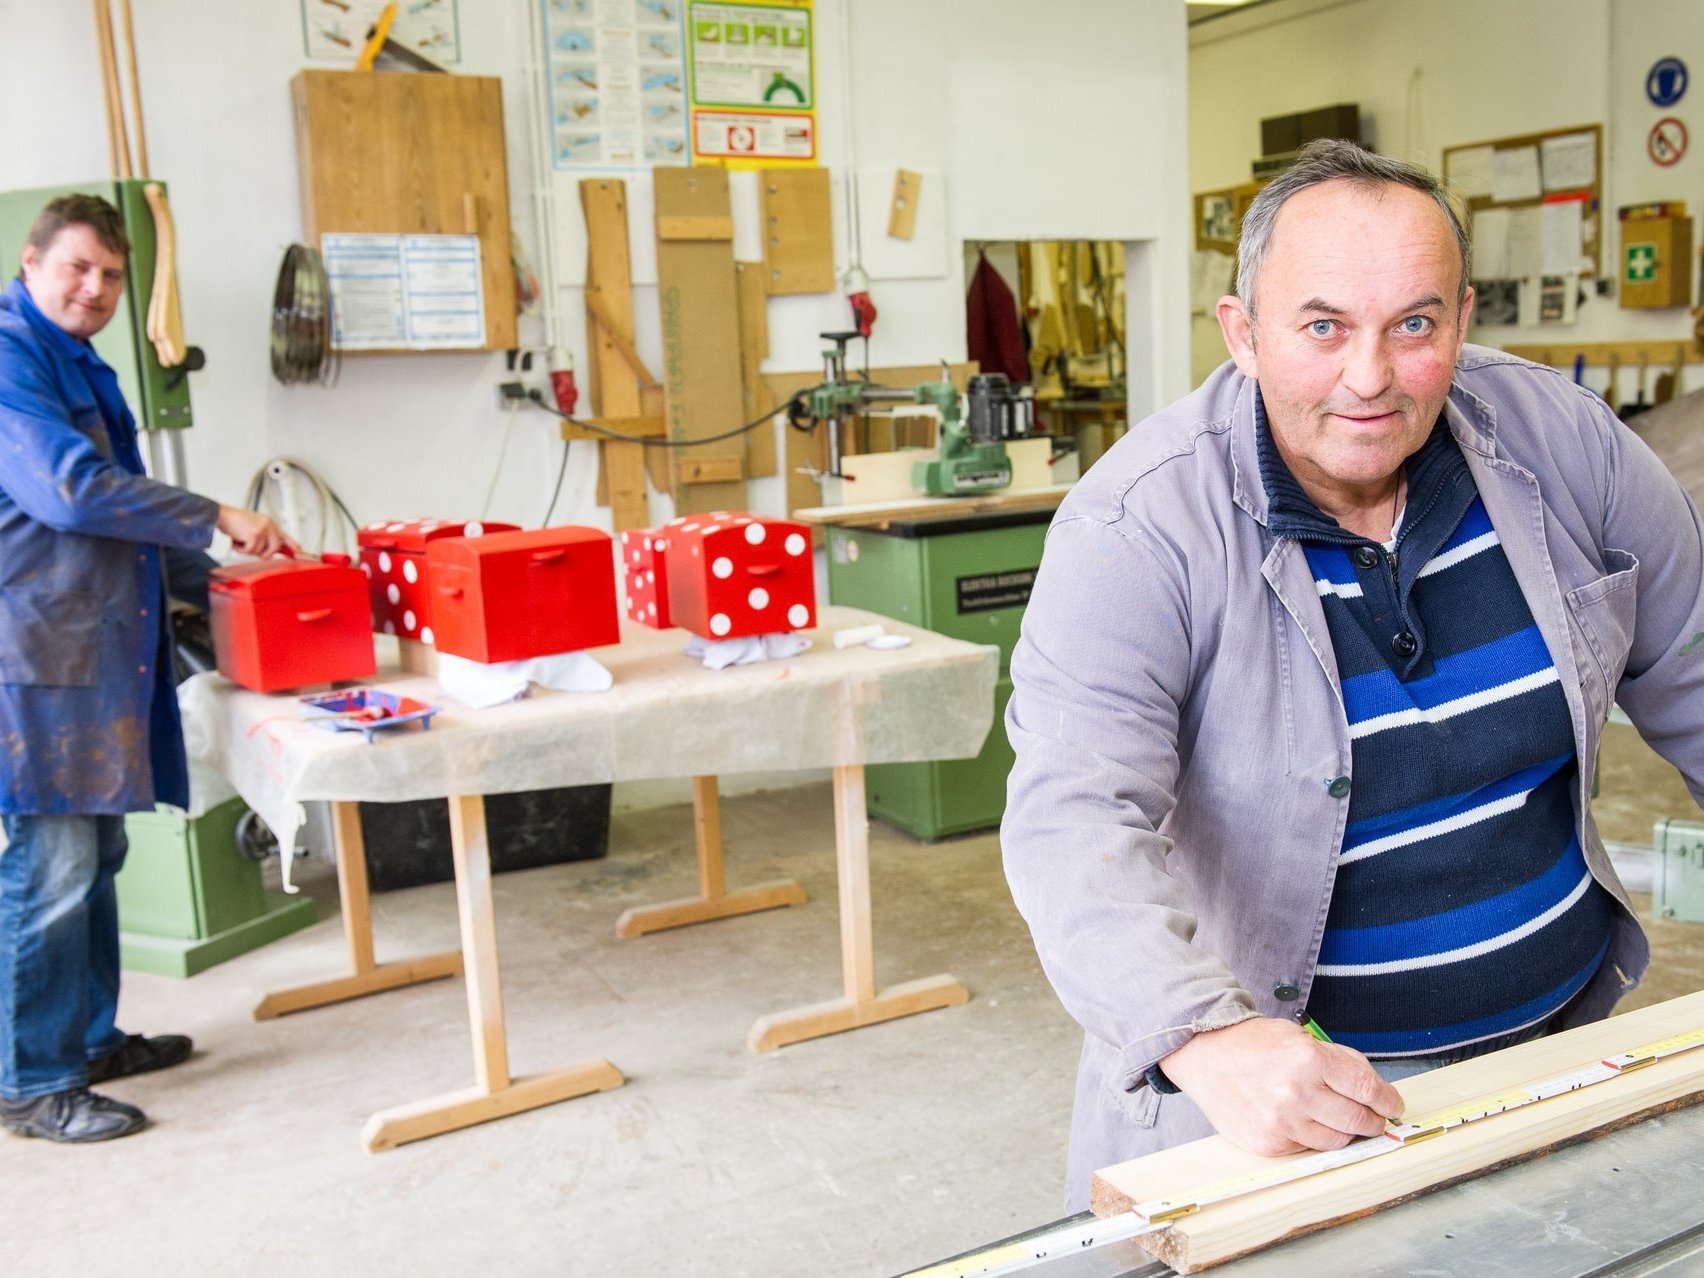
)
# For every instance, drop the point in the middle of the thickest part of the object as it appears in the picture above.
(58, 950)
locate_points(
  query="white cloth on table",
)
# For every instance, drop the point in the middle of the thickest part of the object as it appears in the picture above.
(719, 654)
(480, 684)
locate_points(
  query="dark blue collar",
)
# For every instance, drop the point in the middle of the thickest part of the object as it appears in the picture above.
(1435, 472)
(61, 343)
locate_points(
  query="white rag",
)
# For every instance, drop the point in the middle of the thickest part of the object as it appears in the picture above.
(717, 653)
(478, 684)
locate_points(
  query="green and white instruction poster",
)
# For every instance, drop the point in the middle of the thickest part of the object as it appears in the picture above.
(753, 82)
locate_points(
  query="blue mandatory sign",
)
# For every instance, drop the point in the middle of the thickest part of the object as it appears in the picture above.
(1666, 83)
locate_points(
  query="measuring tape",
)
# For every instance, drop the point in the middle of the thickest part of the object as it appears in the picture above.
(1155, 1214)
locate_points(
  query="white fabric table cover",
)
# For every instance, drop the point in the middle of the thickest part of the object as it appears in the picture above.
(666, 716)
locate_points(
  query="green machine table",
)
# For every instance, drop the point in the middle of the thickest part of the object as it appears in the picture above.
(961, 568)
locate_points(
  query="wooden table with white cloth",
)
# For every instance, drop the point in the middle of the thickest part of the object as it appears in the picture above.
(666, 716)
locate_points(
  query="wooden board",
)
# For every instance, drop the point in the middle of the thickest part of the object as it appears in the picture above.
(701, 342)
(882, 514)
(401, 153)
(1224, 1231)
(754, 349)
(798, 230)
(1592, 193)
(617, 379)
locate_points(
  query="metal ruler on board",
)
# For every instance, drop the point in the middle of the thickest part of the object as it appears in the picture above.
(1155, 1214)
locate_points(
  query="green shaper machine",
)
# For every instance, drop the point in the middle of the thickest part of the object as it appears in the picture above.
(187, 898)
(969, 458)
(969, 578)
(158, 396)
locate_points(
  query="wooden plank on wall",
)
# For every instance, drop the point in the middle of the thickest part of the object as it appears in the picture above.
(399, 153)
(701, 346)
(614, 384)
(798, 230)
(754, 349)
(1224, 1230)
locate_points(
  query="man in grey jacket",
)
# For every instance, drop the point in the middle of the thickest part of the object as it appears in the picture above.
(1310, 686)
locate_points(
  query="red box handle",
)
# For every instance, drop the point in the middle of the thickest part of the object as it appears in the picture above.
(382, 543)
(548, 556)
(764, 570)
(450, 592)
(317, 614)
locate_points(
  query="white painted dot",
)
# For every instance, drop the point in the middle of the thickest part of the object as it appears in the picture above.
(367, 568)
(395, 527)
(650, 577)
(742, 521)
(723, 567)
(758, 599)
(408, 619)
(710, 528)
(651, 607)
(384, 561)
(426, 635)
(755, 534)
(689, 527)
(647, 543)
(795, 544)
(390, 627)
(798, 614)
(393, 593)
(628, 604)
(473, 529)
(410, 573)
(695, 550)
(635, 556)
(662, 544)
(374, 527)
(720, 625)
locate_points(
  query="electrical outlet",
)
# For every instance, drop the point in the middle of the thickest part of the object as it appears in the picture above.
(511, 393)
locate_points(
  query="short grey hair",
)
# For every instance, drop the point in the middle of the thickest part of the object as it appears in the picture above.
(1334, 161)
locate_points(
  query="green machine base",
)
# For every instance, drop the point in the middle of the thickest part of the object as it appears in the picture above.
(968, 578)
(187, 899)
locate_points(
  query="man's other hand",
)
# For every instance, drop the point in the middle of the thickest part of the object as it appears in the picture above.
(1272, 1088)
(253, 533)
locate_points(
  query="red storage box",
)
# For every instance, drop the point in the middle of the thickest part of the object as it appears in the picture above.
(647, 581)
(285, 623)
(512, 595)
(732, 575)
(393, 555)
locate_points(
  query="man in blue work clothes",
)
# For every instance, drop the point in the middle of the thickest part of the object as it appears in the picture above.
(89, 725)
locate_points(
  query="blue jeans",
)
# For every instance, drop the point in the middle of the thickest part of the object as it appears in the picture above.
(58, 950)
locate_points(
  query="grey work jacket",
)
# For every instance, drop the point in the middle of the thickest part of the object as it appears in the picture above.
(1171, 835)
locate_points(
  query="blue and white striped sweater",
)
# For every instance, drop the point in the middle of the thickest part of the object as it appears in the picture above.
(1463, 911)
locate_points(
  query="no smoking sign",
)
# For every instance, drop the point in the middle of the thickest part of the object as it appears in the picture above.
(1667, 142)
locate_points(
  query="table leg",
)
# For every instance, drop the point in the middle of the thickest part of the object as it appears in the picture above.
(494, 1094)
(713, 900)
(862, 1004)
(368, 977)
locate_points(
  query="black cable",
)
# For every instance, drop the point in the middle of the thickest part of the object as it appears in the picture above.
(651, 441)
(560, 472)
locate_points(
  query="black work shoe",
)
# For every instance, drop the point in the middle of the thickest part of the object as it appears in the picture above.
(75, 1117)
(141, 1055)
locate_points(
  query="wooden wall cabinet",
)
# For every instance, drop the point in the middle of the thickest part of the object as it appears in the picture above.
(410, 153)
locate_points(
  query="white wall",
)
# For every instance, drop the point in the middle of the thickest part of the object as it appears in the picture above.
(1071, 127)
(1448, 72)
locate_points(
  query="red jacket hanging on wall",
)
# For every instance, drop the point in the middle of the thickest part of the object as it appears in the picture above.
(991, 321)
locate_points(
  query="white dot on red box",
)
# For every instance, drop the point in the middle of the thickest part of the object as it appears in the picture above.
(426, 635)
(390, 627)
(795, 544)
(393, 594)
(755, 533)
(720, 625)
(384, 563)
(410, 573)
(408, 619)
(758, 599)
(473, 529)
(723, 566)
(798, 615)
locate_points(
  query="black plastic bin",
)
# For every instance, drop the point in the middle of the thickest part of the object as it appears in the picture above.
(409, 843)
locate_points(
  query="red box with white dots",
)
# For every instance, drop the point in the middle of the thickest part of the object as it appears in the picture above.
(645, 596)
(732, 575)
(393, 555)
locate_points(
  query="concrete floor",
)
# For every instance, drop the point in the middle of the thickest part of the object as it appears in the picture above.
(860, 1154)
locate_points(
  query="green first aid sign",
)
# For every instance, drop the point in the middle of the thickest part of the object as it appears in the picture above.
(1640, 265)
